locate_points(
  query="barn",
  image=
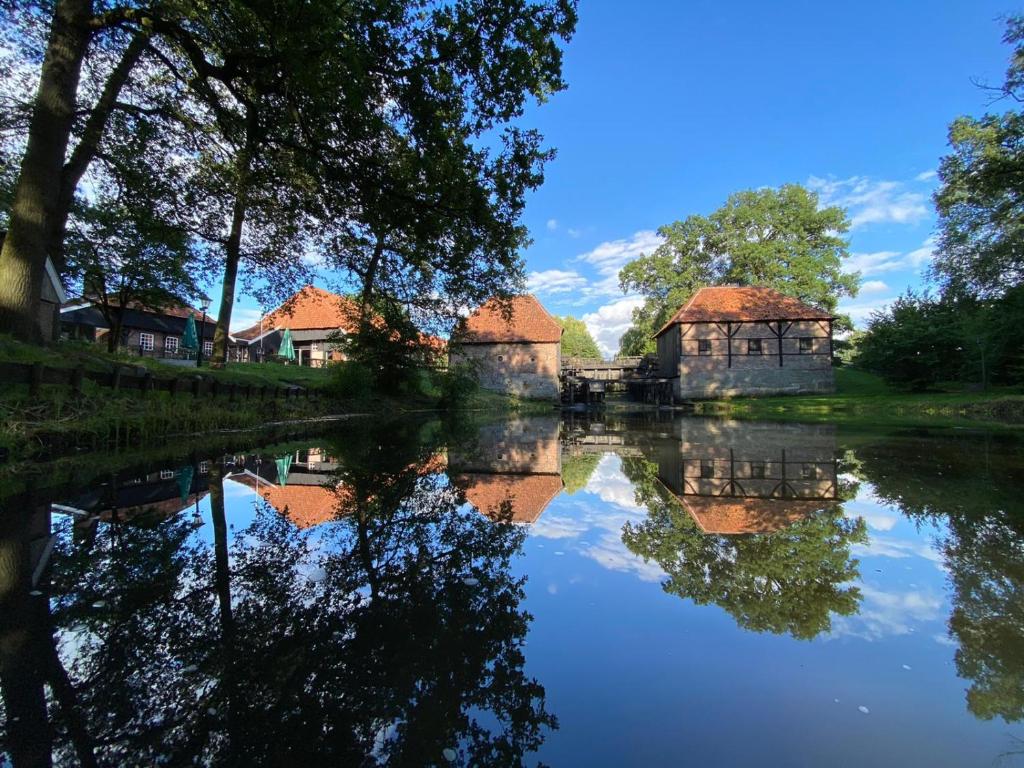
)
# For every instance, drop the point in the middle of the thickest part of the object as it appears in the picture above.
(730, 341)
(514, 345)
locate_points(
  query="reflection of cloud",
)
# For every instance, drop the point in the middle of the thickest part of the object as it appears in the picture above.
(883, 546)
(611, 553)
(884, 614)
(558, 527)
(609, 483)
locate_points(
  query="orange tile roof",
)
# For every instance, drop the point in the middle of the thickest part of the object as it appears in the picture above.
(310, 308)
(527, 495)
(528, 321)
(749, 303)
(730, 516)
(304, 505)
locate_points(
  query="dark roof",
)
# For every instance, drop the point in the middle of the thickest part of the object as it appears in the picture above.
(749, 303)
(91, 316)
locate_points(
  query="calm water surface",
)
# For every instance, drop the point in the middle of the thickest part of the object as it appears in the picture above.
(596, 591)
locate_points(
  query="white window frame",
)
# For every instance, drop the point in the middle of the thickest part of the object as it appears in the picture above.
(170, 344)
(167, 474)
(207, 348)
(147, 342)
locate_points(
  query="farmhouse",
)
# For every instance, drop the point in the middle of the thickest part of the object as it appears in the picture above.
(749, 340)
(145, 331)
(515, 346)
(313, 315)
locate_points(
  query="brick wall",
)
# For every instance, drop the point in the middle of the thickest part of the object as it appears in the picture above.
(523, 369)
(706, 370)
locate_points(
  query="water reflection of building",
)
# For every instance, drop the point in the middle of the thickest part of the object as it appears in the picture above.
(154, 496)
(513, 469)
(299, 485)
(743, 477)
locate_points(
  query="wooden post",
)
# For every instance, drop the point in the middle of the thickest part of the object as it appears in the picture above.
(195, 387)
(728, 334)
(115, 378)
(147, 383)
(35, 381)
(231, 392)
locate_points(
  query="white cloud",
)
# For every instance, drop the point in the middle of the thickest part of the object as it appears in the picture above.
(610, 321)
(244, 318)
(880, 262)
(612, 255)
(555, 281)
(925, 176)
(884, 614)
(574, 233)
(552, 224)
(873, 286)
(859, 312)
(611, 553)
(871, 201)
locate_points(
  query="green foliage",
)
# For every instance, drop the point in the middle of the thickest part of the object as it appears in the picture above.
(778, 238)
(576, 339)
(920, 341)
(457, 386)
(351, 380)
(576, 471)
(980, 204)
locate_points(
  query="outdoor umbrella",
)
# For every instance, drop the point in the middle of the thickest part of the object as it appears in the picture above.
(191, 339)
(185, 476)
(287, 350)
(284, 466)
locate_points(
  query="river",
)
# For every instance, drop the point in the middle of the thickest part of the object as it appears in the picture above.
(601, 589)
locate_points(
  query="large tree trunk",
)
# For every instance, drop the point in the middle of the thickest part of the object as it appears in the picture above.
(233, 248)
(22, 643)
(36, 195)
(85, 151)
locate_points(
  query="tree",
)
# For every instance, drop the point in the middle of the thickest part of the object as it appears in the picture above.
(981, 200)
(576, 340)
(778, 238)
(48, 176)
(577, 469)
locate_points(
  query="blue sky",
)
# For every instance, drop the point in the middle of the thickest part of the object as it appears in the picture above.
(672, 106)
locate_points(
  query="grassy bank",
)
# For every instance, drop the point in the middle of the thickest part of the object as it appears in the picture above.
(59, 422)
(863, 398)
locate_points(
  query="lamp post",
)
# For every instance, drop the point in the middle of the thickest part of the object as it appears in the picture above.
(204, 304)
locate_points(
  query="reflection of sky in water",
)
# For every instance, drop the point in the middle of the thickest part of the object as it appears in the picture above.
(640, 677)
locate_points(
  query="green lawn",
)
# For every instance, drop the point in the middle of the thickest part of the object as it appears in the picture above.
(864, 398)
(94, 357)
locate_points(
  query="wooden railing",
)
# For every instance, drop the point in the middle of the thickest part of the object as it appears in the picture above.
(122, 378)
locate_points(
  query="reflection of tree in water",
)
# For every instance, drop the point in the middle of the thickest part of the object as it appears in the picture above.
(790, 581)
(971, 485)
(577, 469)
(384, 639)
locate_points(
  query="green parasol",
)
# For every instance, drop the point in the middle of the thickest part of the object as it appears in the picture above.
(185, 475)
(287, 350)
(284, 466)
(191, 339)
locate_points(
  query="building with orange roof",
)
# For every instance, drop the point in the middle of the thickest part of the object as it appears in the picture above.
(512, 471)
(736, 477)
(746, 340)
(514, 345)
(314, 316)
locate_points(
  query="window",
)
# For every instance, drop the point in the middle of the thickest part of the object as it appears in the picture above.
(809, 472)
(806, 345)
(704, 346)
(204, 467)
(500, 358)
(533, 359)
(757, 470)
(707, 468)
(171, 344)
(754, 347)
(167, 474)
(146, 341)
(207, 347)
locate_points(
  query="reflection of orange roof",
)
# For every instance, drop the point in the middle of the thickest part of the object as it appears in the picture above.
(727, 515)
(303, 505)
(527, 495)
(528, 321)
(748, 303)
(310, 308)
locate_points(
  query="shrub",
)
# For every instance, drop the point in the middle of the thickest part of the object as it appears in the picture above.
(351, 380)
(457, 385)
